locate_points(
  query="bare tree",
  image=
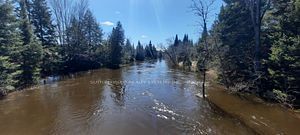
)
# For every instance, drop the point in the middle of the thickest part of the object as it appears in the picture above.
(170, 52)
(203, 8)
(63, 11)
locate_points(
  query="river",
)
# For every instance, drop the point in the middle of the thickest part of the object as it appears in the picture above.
(145, 98)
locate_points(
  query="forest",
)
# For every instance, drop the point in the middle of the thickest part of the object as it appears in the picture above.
(34, 47)
(65, 72)
(255, 48)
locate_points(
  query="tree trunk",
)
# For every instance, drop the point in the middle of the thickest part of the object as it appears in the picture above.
(203, 83)
(257, 29)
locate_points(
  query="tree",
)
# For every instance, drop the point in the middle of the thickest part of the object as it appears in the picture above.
(83, 38)
(10, 43)
(45, 32)
(76, 50)
(154, 51)
(236, 37)
(116, 40)
(43, 26)
(92, 31)
(140, 52)
(283, 61)
(31, 50)
(176, 41)
(202, 9)
(148, 51)
(257, 9)
(64, 11)
(128, 52)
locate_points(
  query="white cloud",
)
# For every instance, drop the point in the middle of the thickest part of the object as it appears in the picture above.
(117, 12)
(107, 23)
(144, 36)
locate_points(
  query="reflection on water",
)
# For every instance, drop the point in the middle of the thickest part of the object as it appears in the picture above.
(78, 106)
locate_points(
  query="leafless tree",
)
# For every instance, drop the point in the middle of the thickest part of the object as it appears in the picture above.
(63, 11)
(203, 8)
(170, 52)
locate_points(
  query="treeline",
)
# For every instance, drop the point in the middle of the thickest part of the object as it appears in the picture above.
(255, 47)
(272, 69)
(38, 41)
(181, 52)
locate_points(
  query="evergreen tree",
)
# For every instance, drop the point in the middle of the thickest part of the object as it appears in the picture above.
(128, 52)
(41, 20)
(9, 48)
(116, 42)
(284, 60)
(154, 52)
(150, 51)
(185, 39)
(31, 50)
(140, 52)
(176, 42)
(84, 38)
(92, 31)
(45, 32)
(76, 50)
(237, 44)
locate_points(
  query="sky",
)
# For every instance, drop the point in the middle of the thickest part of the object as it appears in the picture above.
(145, 20)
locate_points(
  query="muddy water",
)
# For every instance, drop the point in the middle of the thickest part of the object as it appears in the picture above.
(146, 98)
(265, 118)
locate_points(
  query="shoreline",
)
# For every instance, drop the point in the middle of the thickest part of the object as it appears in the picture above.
(261, 116)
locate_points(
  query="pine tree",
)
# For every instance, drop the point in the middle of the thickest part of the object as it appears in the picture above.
(148, 52)
(41, 20)
(237, 44)
(154, 51)
(77, 51)
(128, 52)
(92, 31)
(176, 42)
(185, 39)
(140, 52)
(9, 48)
(31, 50)
(284, 60)
(116, 42)
(45, 32)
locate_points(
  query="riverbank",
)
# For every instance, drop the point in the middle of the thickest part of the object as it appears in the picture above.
(261, 116)
(264, 118)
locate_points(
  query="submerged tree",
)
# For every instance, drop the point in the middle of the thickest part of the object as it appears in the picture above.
(202, 8)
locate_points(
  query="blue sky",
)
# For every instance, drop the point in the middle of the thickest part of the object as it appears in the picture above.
(145, 20)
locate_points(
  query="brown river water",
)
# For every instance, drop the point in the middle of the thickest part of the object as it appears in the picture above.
(142, 99)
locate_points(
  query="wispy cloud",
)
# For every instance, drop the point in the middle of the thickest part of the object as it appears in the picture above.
(107, 23)
(117, 12)
(144, 36)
